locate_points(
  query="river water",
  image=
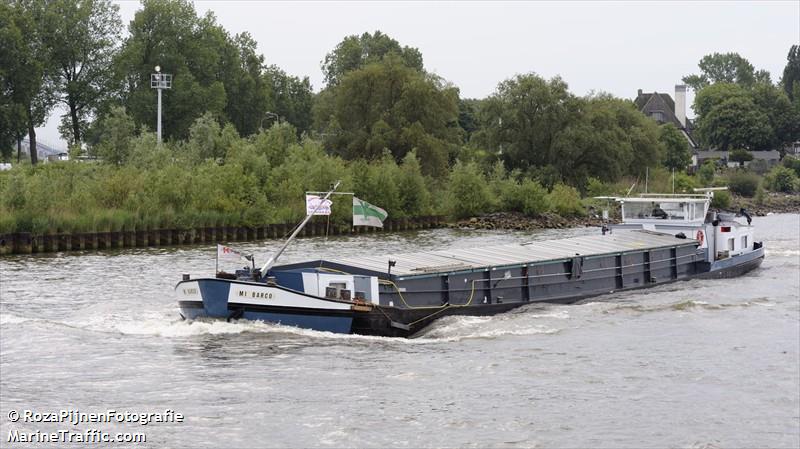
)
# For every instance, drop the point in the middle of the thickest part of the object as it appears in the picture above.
(698, 364)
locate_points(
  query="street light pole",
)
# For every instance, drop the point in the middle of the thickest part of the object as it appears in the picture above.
(160, 81)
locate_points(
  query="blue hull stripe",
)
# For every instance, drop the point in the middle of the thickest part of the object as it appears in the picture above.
(337, 324)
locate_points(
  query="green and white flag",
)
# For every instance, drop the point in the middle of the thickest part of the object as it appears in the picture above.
(365, 214)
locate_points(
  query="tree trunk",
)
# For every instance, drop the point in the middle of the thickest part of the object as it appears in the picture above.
(19, 147)
(32, 140)
(76, 128)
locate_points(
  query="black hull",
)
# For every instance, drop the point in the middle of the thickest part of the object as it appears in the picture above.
(400, 322)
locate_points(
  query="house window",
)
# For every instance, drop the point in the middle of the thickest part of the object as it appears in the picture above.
(657, 116)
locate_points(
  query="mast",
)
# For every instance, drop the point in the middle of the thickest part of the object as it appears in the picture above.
(297, 230)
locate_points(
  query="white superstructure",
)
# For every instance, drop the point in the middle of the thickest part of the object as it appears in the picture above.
(721, 234)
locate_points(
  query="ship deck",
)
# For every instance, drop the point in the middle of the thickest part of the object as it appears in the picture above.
(481, 258)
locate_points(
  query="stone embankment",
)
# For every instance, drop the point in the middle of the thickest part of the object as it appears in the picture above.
(519, 222)
(776, 203)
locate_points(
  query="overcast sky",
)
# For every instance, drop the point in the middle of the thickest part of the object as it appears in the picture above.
(615, 47)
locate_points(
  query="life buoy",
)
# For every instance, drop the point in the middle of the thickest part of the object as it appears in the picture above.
(699, 237)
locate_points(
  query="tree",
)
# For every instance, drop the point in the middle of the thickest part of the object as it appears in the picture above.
(117, 130)
(609, 138)
(468, 116)
(782, 118)
(522, 118)
(292, 98)
(387, 105)
(247, 89)
(469, 194)
(728, 117)
(791, 73)
(676, 149)
(81, 37)
(723, 68)
(197, 51)
(27, 90)
(356, 52)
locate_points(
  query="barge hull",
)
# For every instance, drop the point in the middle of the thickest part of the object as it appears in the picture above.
(387, 321)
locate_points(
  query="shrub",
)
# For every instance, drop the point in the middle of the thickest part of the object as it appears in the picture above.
(469, 194)
(793, 163)
(760, 196)
(595, 187)
(781, 179)
(684, 183)
(533, 197)
(705, 174)
(743, 183)
(565, 201)
(721, 200)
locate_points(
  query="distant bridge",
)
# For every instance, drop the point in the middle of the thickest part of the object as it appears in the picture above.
(43, 149)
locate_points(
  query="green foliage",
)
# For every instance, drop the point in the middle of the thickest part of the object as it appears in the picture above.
(26, 64)
(595, 187)
(539, 127)
(468, 191)
(791, 73)
(82, 37)
(356, 52)
(760, 195)
(534, 198)
(677, 155)
(565, 201)
(721, 200)
(415, 200)
(716, 68)
(684, 183)
(293, 98)
(792, 163)
(728, 117)
(782, 179)
(706, 172)
(743, 183)
(116, 133)
(522, 118)
(388, 105)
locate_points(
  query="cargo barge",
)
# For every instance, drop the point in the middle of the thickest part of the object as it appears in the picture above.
(662, 239)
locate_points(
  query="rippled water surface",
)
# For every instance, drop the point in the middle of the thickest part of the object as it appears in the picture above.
(699, 364)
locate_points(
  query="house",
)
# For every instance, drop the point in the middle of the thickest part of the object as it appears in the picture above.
(769, 158)
(663, 109)
(793, 149)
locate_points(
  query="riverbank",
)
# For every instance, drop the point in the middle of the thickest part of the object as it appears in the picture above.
(776, 203)
(29, 243)
(773, 203)
(519, 222)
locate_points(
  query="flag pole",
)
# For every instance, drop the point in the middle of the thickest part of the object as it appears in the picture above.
(272, 259)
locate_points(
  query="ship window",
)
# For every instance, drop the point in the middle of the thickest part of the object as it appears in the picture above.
(698, 212)
(638, 210)
(744, 241)
(730, 244)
